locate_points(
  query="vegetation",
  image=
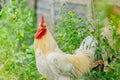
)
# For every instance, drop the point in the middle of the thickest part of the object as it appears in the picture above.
(17, 60)
(75, 29)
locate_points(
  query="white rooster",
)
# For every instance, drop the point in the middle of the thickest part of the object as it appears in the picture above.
(57, 65)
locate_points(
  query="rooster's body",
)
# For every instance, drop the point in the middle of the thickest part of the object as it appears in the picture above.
(55, 64)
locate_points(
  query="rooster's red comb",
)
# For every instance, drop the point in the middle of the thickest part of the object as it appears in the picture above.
(42, 21)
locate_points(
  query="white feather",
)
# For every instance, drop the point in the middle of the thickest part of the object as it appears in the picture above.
(42, 65)
(56, 66)
(88, 45)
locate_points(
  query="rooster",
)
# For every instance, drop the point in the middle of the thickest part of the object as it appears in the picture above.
(54, 64)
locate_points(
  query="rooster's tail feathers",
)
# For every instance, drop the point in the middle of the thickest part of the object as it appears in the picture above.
(88, 44)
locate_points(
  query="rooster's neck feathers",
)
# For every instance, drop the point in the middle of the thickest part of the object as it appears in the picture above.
(44, 40)
(47, 44)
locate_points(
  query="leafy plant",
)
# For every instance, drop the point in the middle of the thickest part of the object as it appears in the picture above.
(17, 61)
(71, 30)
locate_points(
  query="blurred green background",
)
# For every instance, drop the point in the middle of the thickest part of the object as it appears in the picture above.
(17, 27)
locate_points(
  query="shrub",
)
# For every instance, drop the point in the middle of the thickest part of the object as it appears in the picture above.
(71, 30)
(17, 61)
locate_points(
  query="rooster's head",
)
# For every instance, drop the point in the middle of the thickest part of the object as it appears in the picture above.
(41, 30)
